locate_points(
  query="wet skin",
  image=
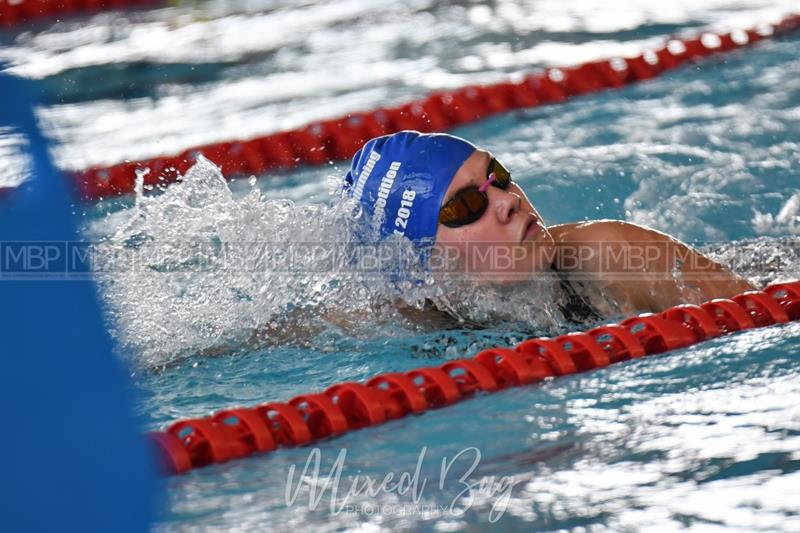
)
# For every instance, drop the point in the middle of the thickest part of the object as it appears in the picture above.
(510, 224)
(512, 228)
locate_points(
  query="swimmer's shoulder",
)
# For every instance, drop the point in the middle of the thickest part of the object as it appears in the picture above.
(604, 230)
(429, 317)
(603, 247)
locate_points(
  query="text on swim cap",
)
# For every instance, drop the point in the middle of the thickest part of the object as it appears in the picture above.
(365, 172)
(404, 212)
(383, 192)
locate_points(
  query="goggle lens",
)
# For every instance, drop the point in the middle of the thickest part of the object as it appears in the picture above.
(502, 177)
(469, 204)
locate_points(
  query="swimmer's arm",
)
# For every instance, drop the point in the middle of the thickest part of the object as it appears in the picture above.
(297, 327)
(644, 267)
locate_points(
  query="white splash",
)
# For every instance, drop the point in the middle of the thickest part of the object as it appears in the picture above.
(197, 270)
(787, 220)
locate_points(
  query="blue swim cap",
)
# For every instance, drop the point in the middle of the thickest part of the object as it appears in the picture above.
(400, 181)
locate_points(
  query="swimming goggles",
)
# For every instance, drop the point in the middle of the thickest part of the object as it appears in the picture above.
(470, 203)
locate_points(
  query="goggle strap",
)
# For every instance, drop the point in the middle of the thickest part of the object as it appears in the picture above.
(489, 180)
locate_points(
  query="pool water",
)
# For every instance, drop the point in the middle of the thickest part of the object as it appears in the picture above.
(704, 438)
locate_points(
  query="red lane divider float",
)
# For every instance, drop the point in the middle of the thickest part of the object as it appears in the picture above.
(240, 432)
(15, 12)
(339, 138)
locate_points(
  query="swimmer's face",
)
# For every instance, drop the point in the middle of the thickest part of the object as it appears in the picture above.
(509, 242)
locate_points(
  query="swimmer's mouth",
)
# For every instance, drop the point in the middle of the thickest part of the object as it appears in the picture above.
(531, 227)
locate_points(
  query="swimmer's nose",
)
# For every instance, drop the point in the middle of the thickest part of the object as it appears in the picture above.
(508, 203)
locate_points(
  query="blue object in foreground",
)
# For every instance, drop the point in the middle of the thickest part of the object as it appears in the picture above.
(71, 456)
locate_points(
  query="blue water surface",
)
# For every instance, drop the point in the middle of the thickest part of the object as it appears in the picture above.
(706, 436)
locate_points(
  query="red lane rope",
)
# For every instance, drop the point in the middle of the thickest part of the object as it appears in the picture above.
(13, 13)
(338, 139)
(240, 432)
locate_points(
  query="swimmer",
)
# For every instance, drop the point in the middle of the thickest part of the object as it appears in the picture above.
(466, 214)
